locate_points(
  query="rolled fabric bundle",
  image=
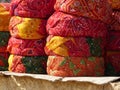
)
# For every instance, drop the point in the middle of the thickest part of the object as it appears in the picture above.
(4, 16)
(4, 61)
(32, 8)
(27, 64)
(61, 24)
(97, 9)
(113, 41)
(112, 63)
(4, 37)
(115, 4)
(75, 66)
(74, 46)
(26, 47)
(27, 28)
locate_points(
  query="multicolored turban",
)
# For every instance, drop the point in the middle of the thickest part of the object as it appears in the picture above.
(24, 64)
(62, 24)
(77, 46)
(112, 63)
(94, 9)
(25, 47)
(27, 28)
(4, 16)
(113, 41)
(32, 8)
(75, 66)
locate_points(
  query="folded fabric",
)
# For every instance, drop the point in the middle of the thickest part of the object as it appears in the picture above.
(95, 9)
(115, 4)
(4, 37)
(4, 61)
(61, 24)
(112, 63)
(113, 40)
(74, 46)
(26, 47)
(27, 28)
(32, 8)
(4, 16)
(24, 64)
(75, 66)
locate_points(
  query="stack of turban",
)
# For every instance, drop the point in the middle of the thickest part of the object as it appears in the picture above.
(113, 45)
(28, 35)
(4, 35)
(77, 37)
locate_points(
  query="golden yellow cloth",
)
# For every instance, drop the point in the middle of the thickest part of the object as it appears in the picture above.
(115, 4)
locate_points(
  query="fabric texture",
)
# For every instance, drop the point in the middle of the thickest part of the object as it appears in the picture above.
(26, 47)
(24, 64)
(4, 16)
(32, 8)
(27, 28)
(95, 9)
(75, 66)
(74, 46)
(113, 41)
(61, 24)
(115, 4)
(4, 61)
(112, 63)
(4, 37)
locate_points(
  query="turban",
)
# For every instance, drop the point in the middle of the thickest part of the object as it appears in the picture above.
(25, 47)
(95, 9)
(27, 28)
(77, 46)
(4, 16)
(75, 66)
(32, 8)
(27, 64)
(61, 24)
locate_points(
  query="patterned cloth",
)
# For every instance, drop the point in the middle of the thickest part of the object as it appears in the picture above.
(74, 46)
(4, 16)
(22, 64)
(75, 66)
(32, 8)
(61, 24)
(27, 28)
(113, 40)
(26, 47)
(112, 63)
(4, 61)
(4, 37)
(115, 4)
(95, 9)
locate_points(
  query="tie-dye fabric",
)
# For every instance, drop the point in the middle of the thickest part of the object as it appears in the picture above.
(25, 64)
(32, 8)
(75, 66)
(26, 47)
(74, 46)
(95, 9)
(27, 28)
(61, 24)
(4, 16)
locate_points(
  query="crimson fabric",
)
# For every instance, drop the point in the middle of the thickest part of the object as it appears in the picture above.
(32, 8)
(27, 28)
(4, 37)
(61, 24)
(26, 47)
(75, 66)
(113, 40)
(3, 61)
(75, 46)
(112, 63)
(24, 64)
(95, 9)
